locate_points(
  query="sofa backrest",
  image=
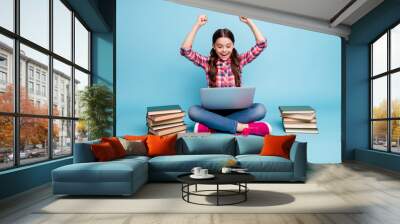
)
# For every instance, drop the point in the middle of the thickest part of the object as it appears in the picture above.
(250, 144)
(83, 152)
(207, 144)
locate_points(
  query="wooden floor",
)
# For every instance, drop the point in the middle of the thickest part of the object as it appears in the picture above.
(377, 188)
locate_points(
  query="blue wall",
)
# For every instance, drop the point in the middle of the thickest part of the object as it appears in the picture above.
(24, 178)
(357, 73)
(298, 68)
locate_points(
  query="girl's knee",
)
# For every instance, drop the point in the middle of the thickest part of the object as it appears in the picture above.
(194, 111)
(260, 109)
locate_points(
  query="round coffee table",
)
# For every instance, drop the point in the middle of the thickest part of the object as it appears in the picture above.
(238, 179)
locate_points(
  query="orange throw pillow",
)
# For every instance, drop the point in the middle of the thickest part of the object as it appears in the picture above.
(103, 152)
(116, 145)
(161, 145)
(136, 137)
(277, 145)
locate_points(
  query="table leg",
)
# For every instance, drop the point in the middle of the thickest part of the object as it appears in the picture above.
(196, 188)
(245, 193)
(217, 194)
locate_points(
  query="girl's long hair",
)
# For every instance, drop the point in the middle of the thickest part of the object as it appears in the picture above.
(212, 73)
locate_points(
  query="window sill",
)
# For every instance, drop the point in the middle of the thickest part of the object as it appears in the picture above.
(17, 169)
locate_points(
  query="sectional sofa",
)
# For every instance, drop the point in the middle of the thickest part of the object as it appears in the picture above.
(125, 176)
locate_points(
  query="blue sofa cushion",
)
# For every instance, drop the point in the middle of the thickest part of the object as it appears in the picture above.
(207, 144)
(111, 171)
(257, 163)
(185, 163)
(250, 144)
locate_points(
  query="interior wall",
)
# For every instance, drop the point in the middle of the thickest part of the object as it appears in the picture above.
(298, 67)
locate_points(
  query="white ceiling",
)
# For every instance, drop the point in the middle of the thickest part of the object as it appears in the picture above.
(326, 16)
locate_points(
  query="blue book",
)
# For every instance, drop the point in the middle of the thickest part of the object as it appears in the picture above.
(167, 109)
(296, 109)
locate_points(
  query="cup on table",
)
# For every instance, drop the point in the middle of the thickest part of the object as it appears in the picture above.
(226, 170)
(196, 171)
(203, 172)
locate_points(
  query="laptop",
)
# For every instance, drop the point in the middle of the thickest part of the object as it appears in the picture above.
(227, 97)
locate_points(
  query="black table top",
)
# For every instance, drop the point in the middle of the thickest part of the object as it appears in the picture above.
(220, 178)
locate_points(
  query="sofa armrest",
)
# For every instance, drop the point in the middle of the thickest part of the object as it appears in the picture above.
(83, 152)
(298, 155)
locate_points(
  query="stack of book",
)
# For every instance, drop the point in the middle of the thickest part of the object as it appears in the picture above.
(165, 120)
(299, 119)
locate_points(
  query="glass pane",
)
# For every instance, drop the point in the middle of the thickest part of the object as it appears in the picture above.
(62, 138)
(62, 29)
(6, 74)
(7, 14)
(395, 47)
(379, 135)
(379, 97)
(33, 139)
(81, 45)
(34, 82)
(81, 81)
(35, 21)
(395, 94)
(395, 136)
(379, 55)
(62, 89)
(6, 142)
(81, 131)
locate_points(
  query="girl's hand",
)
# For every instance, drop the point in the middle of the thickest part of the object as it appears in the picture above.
(245, 20)
(201, 20)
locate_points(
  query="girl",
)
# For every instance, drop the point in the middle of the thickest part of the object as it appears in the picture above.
(223, 69)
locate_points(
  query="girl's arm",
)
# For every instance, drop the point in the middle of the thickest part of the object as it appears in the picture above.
(257, 33)
(250, 55)
(186, 48)
(187, 43)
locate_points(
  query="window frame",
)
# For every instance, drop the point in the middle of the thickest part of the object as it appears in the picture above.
(16, 114)
(388, 74)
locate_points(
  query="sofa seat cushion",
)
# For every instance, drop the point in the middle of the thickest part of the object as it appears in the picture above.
(185, 163)
(257, 163)
(112, 171)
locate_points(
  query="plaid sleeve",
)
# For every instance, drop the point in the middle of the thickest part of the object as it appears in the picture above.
(195, 57)
(250, 55)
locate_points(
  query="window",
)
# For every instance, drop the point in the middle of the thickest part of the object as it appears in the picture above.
(35, 21)
(30, 87)
(81, 45)
(37, 75)
(44, 131)
(3, 61)
(7, 14)
(62, 74)
(6, 73)
(385, 91)
(44, 91)
(3, 78)
(62, 29)
(30, 72)
(37, 89)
